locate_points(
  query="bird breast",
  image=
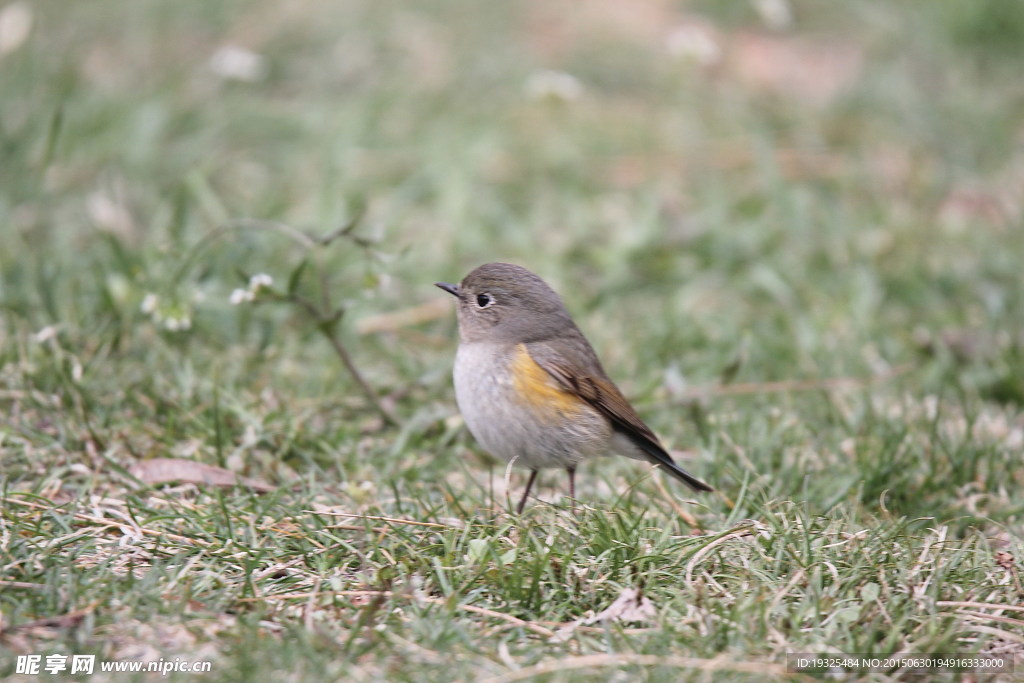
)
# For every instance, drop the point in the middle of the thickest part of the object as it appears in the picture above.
(517, 411)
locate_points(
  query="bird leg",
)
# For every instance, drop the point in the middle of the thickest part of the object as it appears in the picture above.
(572, 486)
(526, 493)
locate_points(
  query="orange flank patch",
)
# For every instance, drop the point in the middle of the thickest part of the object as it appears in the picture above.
(538, 389)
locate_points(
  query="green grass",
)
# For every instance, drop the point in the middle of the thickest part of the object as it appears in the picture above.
(807, 277)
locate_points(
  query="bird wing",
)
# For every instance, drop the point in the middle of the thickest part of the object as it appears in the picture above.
(596, 390)
(586, 378)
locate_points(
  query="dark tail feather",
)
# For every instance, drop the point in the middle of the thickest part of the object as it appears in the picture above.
(659, 457)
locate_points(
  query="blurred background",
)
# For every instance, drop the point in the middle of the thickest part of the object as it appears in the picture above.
(791, 229)
(747, 192)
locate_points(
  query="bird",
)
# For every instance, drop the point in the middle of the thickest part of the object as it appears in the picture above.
(530, 387)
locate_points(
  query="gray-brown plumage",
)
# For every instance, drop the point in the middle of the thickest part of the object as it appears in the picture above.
(593, 386)
(530, 386)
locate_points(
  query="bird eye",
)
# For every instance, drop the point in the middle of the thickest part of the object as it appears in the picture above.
(484, 300)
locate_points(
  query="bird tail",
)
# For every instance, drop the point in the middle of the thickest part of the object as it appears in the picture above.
(659, 457)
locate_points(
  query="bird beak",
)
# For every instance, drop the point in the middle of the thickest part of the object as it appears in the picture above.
(450, 288)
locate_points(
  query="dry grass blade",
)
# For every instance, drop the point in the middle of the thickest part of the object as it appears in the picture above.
(682, 512)
(167, 470)
(407, 317)
(600, 661)
(999, 633)
(980, 616)
(311, 595)
(108, 523)
(389, 520)
(703, 552)
(980, 605)
(21, 584)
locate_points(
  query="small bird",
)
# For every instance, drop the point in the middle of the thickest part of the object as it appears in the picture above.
(530, 387)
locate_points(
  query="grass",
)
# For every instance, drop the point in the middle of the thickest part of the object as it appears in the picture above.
(801, 260)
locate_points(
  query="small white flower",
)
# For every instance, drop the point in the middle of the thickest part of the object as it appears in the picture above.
(695, 42)
(240, 296)
(109, 214)
(553, 85)
(238, 64)
(178, 323)
(46, 334)
(15, 26)
(149, 303)
(777, 14)
(260, 280)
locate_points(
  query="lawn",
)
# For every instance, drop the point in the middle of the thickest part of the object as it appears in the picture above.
(228, 432)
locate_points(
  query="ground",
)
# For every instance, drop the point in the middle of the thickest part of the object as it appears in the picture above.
(792, 231)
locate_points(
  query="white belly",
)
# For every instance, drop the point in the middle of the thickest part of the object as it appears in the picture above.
(510, 429)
